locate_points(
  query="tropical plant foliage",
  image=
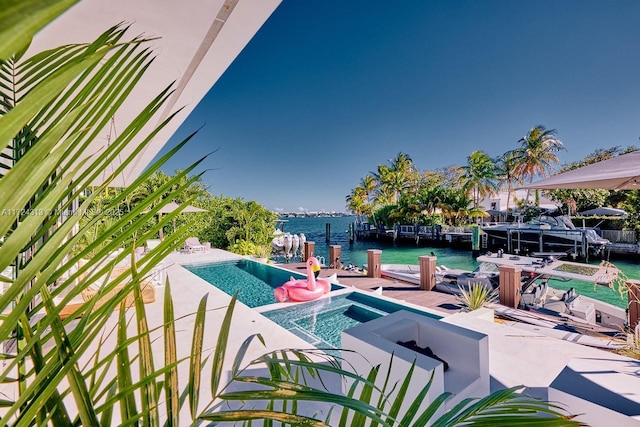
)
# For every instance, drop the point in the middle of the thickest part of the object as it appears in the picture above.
(233, 224)
(398, 193)
(57, 104)
(477, 296)
(480, 176)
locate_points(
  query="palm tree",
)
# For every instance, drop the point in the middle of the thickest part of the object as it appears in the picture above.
(394, 179)
(480, 176)
(385, 194)
(357, 201)
(407, 176)
(535, 157)
(369, 184)
(507, 164)
(430, 198)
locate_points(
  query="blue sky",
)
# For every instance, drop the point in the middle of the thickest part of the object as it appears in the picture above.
(327, 90)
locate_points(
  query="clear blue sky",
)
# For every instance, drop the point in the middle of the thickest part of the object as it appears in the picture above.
(327, 90)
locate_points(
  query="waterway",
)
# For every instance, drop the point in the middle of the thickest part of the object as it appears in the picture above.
(314, 229)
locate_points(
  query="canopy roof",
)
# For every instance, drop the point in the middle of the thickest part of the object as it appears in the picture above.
(197, 41)
(617, 173)
(172, 206)
(603, 211)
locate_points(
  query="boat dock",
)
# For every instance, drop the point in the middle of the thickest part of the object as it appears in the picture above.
(459, 237)
(392, 288)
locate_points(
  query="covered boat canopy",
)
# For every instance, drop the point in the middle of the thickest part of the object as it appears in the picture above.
(603, 211)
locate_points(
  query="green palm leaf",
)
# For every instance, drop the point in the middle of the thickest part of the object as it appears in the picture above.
(21, 20)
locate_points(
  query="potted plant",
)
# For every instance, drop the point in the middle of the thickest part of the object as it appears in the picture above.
(263, 252)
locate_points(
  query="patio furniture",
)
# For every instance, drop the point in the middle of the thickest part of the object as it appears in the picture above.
(148, 293)
(151, 244)
(192, 244)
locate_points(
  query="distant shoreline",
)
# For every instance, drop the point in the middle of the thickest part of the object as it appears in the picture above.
(313, 214)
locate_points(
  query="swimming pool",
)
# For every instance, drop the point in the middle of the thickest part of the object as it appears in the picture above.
(254, 281)
(321, 322)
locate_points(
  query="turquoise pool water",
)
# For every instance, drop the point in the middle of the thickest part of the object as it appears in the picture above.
(253, 281)
(321, 322)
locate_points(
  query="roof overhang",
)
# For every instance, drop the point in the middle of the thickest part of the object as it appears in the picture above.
(198, 40)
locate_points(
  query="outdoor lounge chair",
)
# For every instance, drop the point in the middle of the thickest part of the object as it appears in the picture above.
(192, 244)
(151, 244)
(148, 292)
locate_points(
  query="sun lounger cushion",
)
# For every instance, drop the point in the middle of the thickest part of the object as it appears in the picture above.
(192, 244)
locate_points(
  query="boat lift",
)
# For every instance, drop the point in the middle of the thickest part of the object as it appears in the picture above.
(515, 245)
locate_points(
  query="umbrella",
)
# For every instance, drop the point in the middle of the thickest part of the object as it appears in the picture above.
(603, 211)
(172, 206)
(617, 173)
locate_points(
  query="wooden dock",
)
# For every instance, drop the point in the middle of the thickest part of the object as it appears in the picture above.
(391, 288)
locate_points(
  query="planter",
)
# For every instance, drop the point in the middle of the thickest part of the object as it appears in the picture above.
(466, 353)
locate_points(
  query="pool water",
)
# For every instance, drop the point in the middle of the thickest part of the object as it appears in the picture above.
(321, 322)
(253, 281)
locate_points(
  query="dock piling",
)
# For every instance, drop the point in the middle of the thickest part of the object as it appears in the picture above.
(427, 272)
(334, 256)
(510, 285)
(374, 258)
(633, 287)
(309, 248)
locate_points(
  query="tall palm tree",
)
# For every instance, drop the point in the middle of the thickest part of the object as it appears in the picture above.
(383, 176)
(507, 164)
(357, 201)
(407, 176)
(480, 176)
(369, 184)
(535, 157)
(393, 179)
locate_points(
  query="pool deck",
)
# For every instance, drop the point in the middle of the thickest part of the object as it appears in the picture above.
(441, 302)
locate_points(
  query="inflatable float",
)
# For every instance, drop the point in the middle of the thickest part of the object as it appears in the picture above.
(304, 289)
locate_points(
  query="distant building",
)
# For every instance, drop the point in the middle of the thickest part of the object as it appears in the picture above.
(496, 205)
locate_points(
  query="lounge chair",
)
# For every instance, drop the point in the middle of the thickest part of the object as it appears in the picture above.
(148, 292)
(151, 244)
(192, 244)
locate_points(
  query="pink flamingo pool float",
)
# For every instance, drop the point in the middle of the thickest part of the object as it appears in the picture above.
(304, 289)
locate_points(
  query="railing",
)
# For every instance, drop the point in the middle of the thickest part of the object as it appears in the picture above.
(620, 236)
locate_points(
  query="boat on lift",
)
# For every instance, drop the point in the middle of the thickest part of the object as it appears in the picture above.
(549, 231)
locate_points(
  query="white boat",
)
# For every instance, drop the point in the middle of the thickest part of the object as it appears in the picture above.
(448, 280)
(547, 232)
(538, 297)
